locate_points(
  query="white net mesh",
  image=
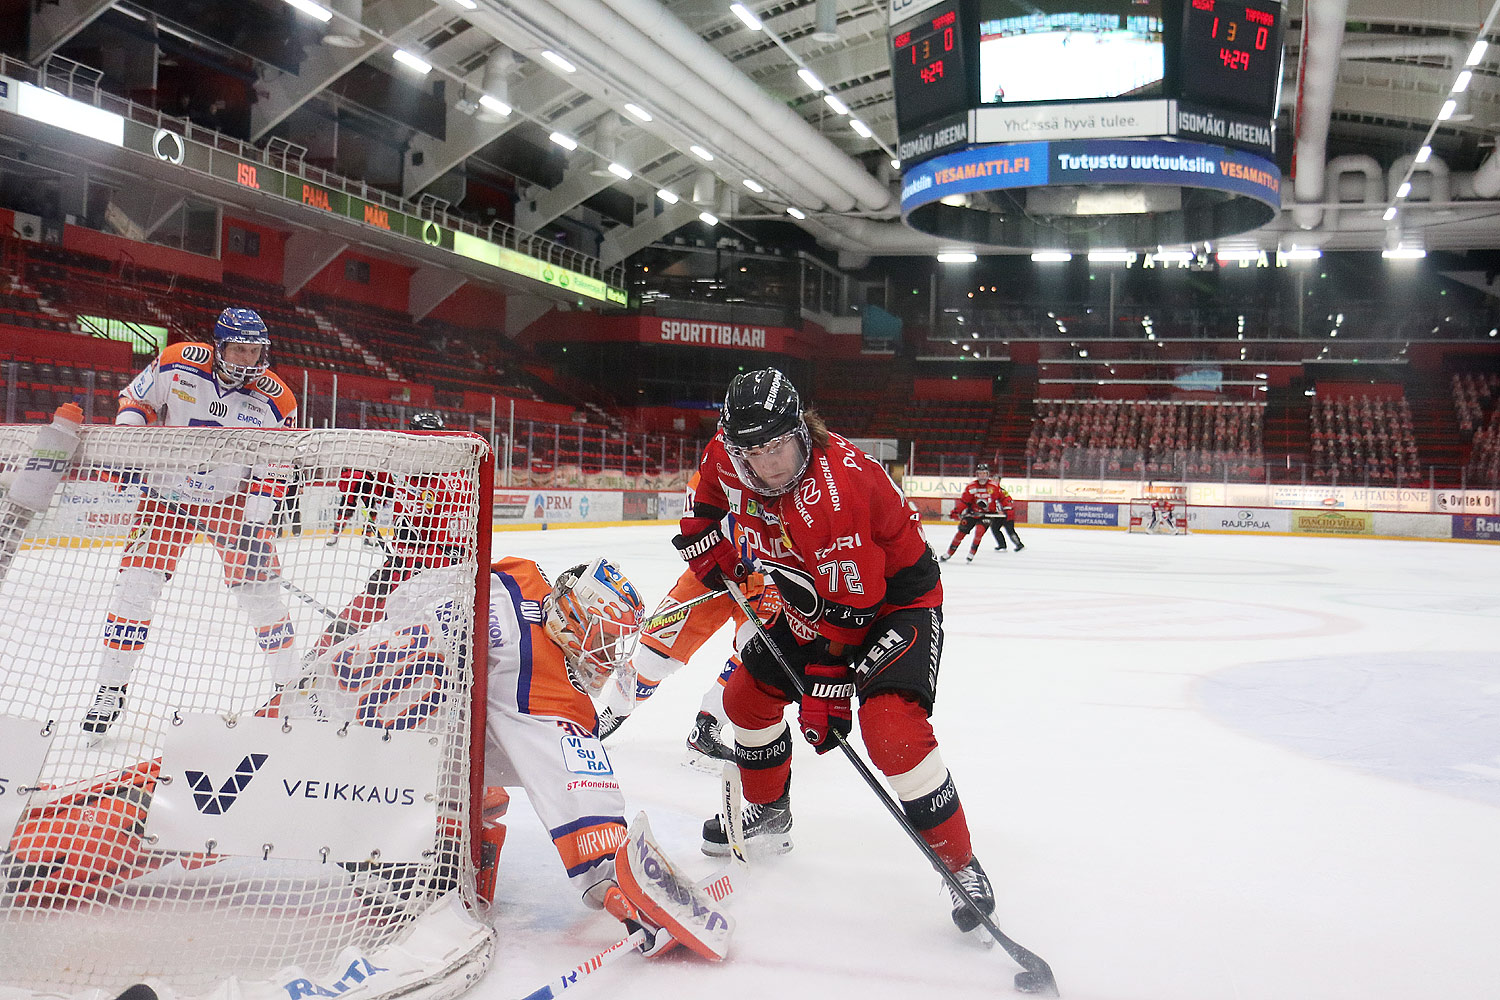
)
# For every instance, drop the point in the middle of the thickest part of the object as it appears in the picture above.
(200, 567)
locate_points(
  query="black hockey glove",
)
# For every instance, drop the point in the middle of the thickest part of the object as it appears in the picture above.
(708, 553)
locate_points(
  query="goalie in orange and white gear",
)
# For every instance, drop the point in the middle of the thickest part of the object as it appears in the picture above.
(550, 646)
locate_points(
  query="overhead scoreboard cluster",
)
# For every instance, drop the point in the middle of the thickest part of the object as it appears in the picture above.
(977, 72)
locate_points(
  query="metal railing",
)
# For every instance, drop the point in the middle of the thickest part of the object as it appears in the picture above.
(81, 83)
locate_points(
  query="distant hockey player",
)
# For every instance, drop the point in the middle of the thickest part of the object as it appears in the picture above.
(1163, 516)
(226, 384)
(861, 617)
(552, 646)
(983, 504)
(429, 516)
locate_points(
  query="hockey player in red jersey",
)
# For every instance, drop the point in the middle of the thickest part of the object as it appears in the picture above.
(861, 617)
(983, 503)
(429, 517)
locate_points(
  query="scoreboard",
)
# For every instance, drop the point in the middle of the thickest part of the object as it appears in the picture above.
(1046, 69)
(1230, 55)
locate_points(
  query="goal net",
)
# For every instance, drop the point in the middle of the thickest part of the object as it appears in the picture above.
(1158, 515)
(283, 803)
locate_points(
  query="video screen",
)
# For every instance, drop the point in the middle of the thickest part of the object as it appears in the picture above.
(1069, 50)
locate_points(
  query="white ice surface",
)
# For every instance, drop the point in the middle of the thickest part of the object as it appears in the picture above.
(1200, 768)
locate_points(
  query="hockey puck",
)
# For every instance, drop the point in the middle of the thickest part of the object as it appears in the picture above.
(140, 991)
(1027, 982)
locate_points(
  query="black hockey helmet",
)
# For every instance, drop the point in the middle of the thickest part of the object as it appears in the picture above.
(425, 421)
(762, 417)
(982, 471)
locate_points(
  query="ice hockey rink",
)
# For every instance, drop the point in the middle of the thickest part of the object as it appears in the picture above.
(1196, 768)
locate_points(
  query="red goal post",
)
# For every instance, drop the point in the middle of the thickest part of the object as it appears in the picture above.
(220, 839)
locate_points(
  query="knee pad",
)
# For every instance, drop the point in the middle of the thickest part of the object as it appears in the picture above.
(897, 732)
(136, 593)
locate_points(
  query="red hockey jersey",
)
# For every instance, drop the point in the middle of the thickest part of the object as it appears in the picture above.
(979, 499)
(842, 547)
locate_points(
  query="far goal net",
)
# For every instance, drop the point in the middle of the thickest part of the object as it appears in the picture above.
(238, 749)
(1158, 515)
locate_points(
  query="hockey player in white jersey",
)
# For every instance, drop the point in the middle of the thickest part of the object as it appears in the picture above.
(226, 384)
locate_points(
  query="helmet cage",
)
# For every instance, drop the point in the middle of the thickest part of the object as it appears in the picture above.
(744, 460)
(240, 326)
(594, 614)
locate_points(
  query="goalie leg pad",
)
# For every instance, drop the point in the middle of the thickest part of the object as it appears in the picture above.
(668, 900)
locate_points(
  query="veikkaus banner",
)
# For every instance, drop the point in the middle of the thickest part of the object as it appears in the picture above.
(1090, 514)
(309, 790)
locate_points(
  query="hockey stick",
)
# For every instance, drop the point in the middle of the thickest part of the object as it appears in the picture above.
(589, 966)
(1037, 977)
(734, 818)
(308, 599)
(662, 619)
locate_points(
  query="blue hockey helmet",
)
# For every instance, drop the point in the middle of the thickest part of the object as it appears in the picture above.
(240, 326)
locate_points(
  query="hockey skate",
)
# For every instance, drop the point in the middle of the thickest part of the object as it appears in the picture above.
(1019, 546)
(945, 557)
(768, 829)
(969, 557)
(977, 884)
(108, 704)
(706, 746)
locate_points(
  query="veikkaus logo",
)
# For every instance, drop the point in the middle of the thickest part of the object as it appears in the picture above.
(215, 803)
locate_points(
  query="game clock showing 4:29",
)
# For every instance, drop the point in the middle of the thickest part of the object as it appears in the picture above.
(929, 67)
(1230, 54)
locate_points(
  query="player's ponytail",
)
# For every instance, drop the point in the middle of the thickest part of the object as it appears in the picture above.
(817, 430)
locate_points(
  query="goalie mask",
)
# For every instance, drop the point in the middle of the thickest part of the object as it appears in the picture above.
(764, 433)
(240, 326)
(594, 614)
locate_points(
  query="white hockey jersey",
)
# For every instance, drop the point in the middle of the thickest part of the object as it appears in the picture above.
(178, 389)
(545, 727)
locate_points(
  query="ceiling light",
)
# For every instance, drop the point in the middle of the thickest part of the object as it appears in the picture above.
(1111, 256)
(1051, 257)
(667, 196)
(1462, 83)
(861, 128)
(1231, 256)
(1449, 106)
(701, 153)
(410, 61)
(795, 212)
(753, 185)
(1476, 53)
(639, 112)
(496, 105)
(566, 142)
(1404, 189)
(1404, 253)
(1424, 154)
(312, 10)
(809, 79)
(895, 164)
(743, 13)
(837, 105)
(620, 171)
(712, 220)
(957, 257)
(1390, 214)
(559, 61)
(467, 4)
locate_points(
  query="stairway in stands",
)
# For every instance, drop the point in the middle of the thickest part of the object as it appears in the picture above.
(1010, 425)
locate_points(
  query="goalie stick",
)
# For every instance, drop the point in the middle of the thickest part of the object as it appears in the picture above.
(1037, 975)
